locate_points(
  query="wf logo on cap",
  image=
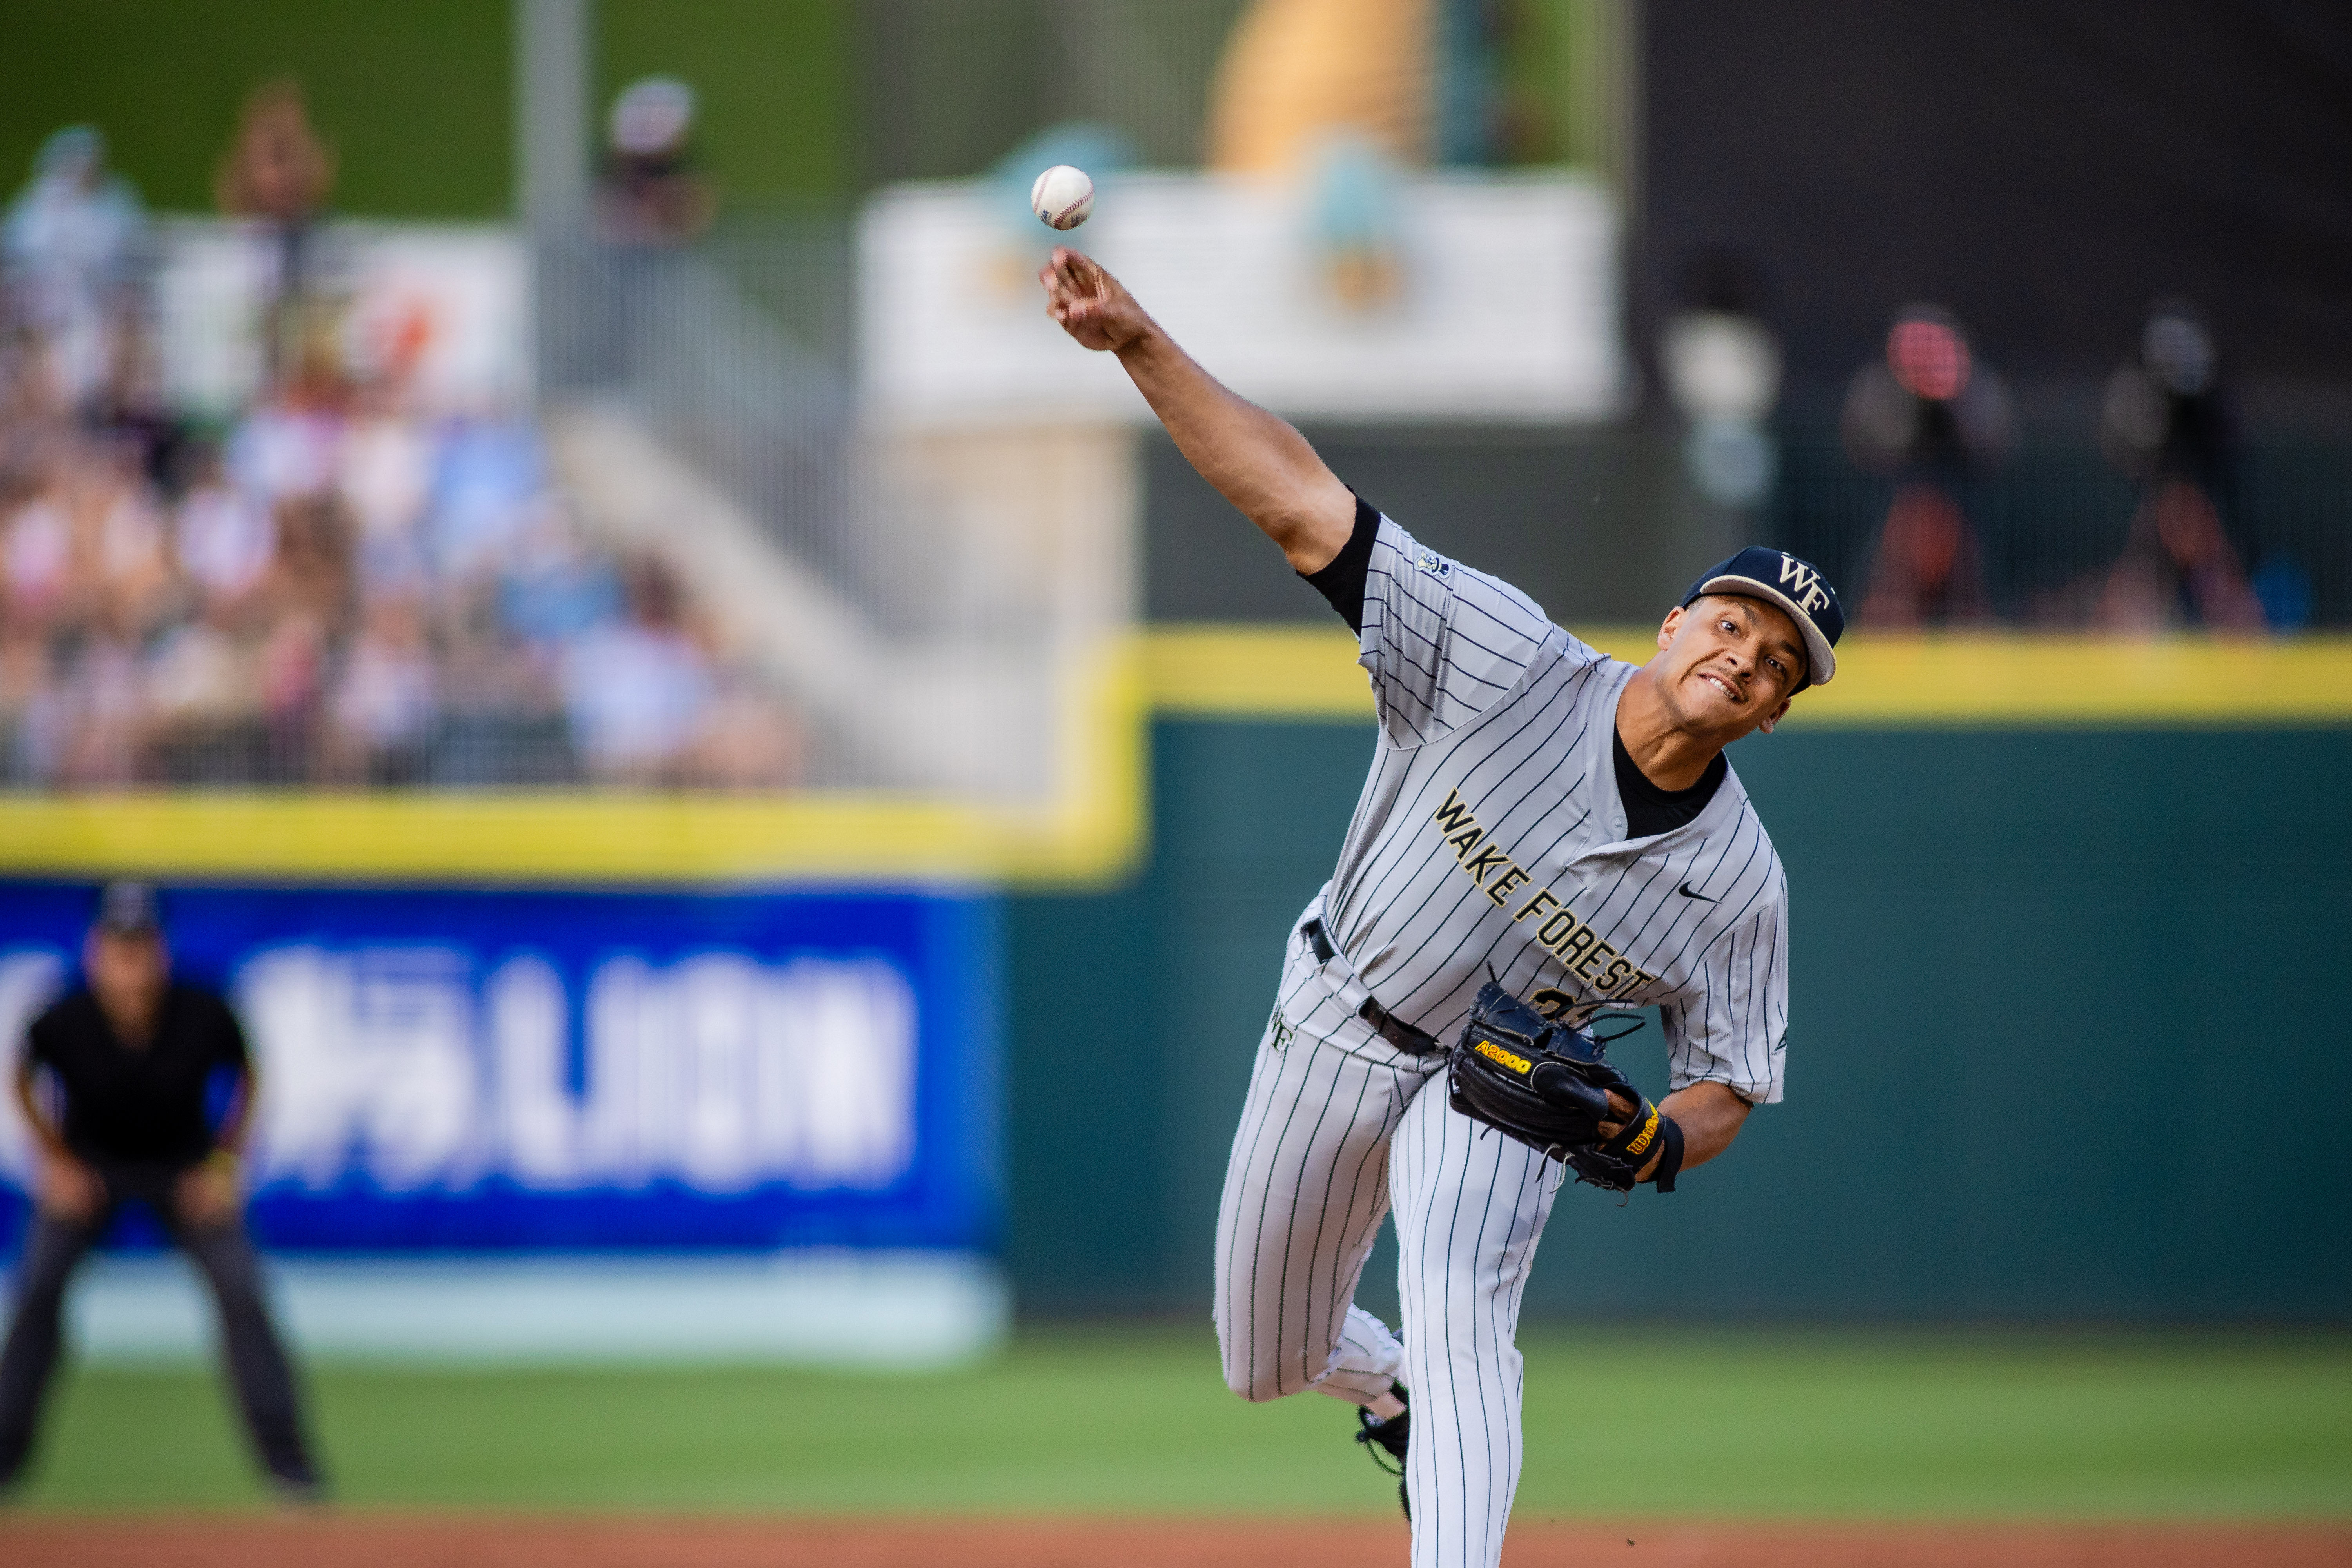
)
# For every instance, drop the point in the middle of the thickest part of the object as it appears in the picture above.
(1812, 594)
(1796, 586)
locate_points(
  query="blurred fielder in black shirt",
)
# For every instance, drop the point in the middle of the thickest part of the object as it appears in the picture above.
(113, 1081)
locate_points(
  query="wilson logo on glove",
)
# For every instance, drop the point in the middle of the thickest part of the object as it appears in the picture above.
(1495, 1053)
(1649, 1131)
(1554, 1089)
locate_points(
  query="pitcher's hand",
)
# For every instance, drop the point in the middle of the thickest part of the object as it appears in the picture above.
(1091, 305)
(1621, 1111)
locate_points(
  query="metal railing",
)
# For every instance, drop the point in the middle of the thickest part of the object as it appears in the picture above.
(735, 352)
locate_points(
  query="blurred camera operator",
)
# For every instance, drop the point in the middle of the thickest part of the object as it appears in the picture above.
(1933, 415)
(126, 1062)
(2167, 423)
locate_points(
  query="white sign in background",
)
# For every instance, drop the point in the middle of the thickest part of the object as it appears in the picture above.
(719, 1071)
(1508, 305)
(448, 305)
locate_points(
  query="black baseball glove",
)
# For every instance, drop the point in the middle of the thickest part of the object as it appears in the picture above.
(1547, 1086)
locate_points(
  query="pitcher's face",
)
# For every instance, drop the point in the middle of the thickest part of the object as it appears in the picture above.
(1730, 665)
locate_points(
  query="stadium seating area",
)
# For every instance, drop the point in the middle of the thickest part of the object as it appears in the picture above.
(335, 584)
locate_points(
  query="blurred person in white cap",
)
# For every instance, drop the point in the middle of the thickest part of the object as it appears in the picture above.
(650, 192)
(113, 1080)
(2167, 423)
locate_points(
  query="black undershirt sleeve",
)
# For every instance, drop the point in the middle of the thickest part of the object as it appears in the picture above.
(1345, 578)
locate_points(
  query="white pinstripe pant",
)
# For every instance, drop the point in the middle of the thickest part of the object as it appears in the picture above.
(1338, 1127)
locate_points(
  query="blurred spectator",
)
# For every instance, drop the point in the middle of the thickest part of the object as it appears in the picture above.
(1933, 416)
(489, 476)
(553, 589)
(276, 168)
(384, 704)
(103, 691)
(292, 677)
(639, 690)
(277, 173)
(281, 450)
(130, 409)
(130, 534)
(311, 574)
(36, 558)
(649, 191)
(226, 538)
(1722, 365)
(650, 704)
(204, 704)
(72, 245)
(2164, 412)
(2164, 423)
(30, 422)
(384, 475)
(347, 587)
(747, 741)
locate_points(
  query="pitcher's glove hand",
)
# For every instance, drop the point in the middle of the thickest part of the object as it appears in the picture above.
(1548, 1085)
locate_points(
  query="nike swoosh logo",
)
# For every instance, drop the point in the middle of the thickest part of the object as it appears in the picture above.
(1702, 898)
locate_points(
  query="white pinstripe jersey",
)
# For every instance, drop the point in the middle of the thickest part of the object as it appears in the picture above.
(1491, 833)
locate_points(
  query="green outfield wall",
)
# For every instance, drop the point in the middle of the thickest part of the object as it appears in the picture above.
(2068, 1040)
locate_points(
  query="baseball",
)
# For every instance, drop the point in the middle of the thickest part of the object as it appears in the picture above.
(1062, 197)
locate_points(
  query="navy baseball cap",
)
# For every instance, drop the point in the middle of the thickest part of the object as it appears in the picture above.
(130, 909)
(1797, 586)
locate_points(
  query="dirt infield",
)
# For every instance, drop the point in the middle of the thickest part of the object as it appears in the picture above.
(396, 1540)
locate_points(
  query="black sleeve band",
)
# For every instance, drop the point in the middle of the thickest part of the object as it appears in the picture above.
(1670, 1161)
(1343, 579)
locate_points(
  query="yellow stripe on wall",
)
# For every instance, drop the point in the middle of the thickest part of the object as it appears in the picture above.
(1266, 672)
(1982, 680)
(1256, 672)
(1089, 832)
(1093, 829)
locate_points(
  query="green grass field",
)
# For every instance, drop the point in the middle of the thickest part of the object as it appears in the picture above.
(415, 98)
(1127, 1421)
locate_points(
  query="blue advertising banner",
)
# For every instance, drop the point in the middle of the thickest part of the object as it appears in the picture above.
(564, 1072)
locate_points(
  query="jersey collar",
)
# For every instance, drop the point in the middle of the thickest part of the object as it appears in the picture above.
(1598, 761)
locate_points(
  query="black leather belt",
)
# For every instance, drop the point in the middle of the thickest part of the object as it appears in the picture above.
(1412, 1042)
(1386, 1025)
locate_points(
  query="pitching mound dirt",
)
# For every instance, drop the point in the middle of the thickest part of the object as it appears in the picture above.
(396, 1540)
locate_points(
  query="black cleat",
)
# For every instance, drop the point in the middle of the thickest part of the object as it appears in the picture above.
(1389, 1436)
(299, 1493)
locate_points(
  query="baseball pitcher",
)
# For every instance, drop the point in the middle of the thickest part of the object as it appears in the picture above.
(1546, 833)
